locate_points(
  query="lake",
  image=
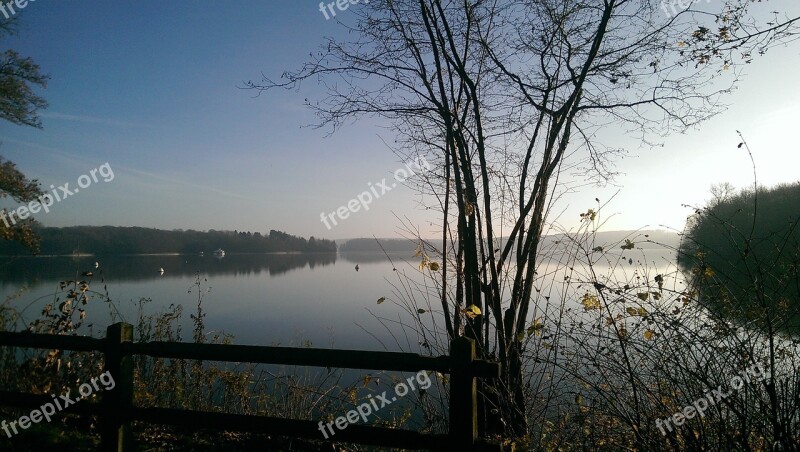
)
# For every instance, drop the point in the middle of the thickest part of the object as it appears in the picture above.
(262, 299)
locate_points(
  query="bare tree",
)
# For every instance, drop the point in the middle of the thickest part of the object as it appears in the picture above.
(507, 96)
(721, 192)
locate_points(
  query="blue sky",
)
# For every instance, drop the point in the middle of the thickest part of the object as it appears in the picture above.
(152, 89)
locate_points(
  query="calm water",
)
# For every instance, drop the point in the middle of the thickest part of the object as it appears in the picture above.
(260, 299)
(290, 299)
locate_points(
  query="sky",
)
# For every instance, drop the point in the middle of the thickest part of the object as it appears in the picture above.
(152, 90)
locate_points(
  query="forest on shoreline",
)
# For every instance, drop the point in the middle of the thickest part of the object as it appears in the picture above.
(112, 240)
(746, 244)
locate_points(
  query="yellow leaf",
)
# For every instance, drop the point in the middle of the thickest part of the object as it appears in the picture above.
(623, 333)
(590, 215)
(536, 328)
(471, 311)
(590, 302)
(468, 209)
(636, 311)
(434, 266)
(648, 334)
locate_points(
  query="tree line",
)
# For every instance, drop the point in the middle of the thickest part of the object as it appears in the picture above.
(111, 240)
(746, 247)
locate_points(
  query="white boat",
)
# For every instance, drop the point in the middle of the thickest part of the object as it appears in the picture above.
(219, 253)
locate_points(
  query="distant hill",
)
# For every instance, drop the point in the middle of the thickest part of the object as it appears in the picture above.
(110, 240)
(372, 245)
(645, 239)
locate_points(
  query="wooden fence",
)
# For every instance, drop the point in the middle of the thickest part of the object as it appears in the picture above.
(117, 409)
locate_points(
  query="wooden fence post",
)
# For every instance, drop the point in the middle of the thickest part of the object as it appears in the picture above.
(117, 403)
(463, 395)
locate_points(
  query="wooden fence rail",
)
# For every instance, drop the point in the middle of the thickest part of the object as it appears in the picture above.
(117, 409)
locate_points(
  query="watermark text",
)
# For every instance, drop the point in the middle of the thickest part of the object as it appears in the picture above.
(673, 7)
(364, 410)
(45, 201)
(340, 5)
(715, 395)
(363, 200)
(58, 404)
(8, 8)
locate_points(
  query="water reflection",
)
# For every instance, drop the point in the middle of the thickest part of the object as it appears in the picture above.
(30, 270)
